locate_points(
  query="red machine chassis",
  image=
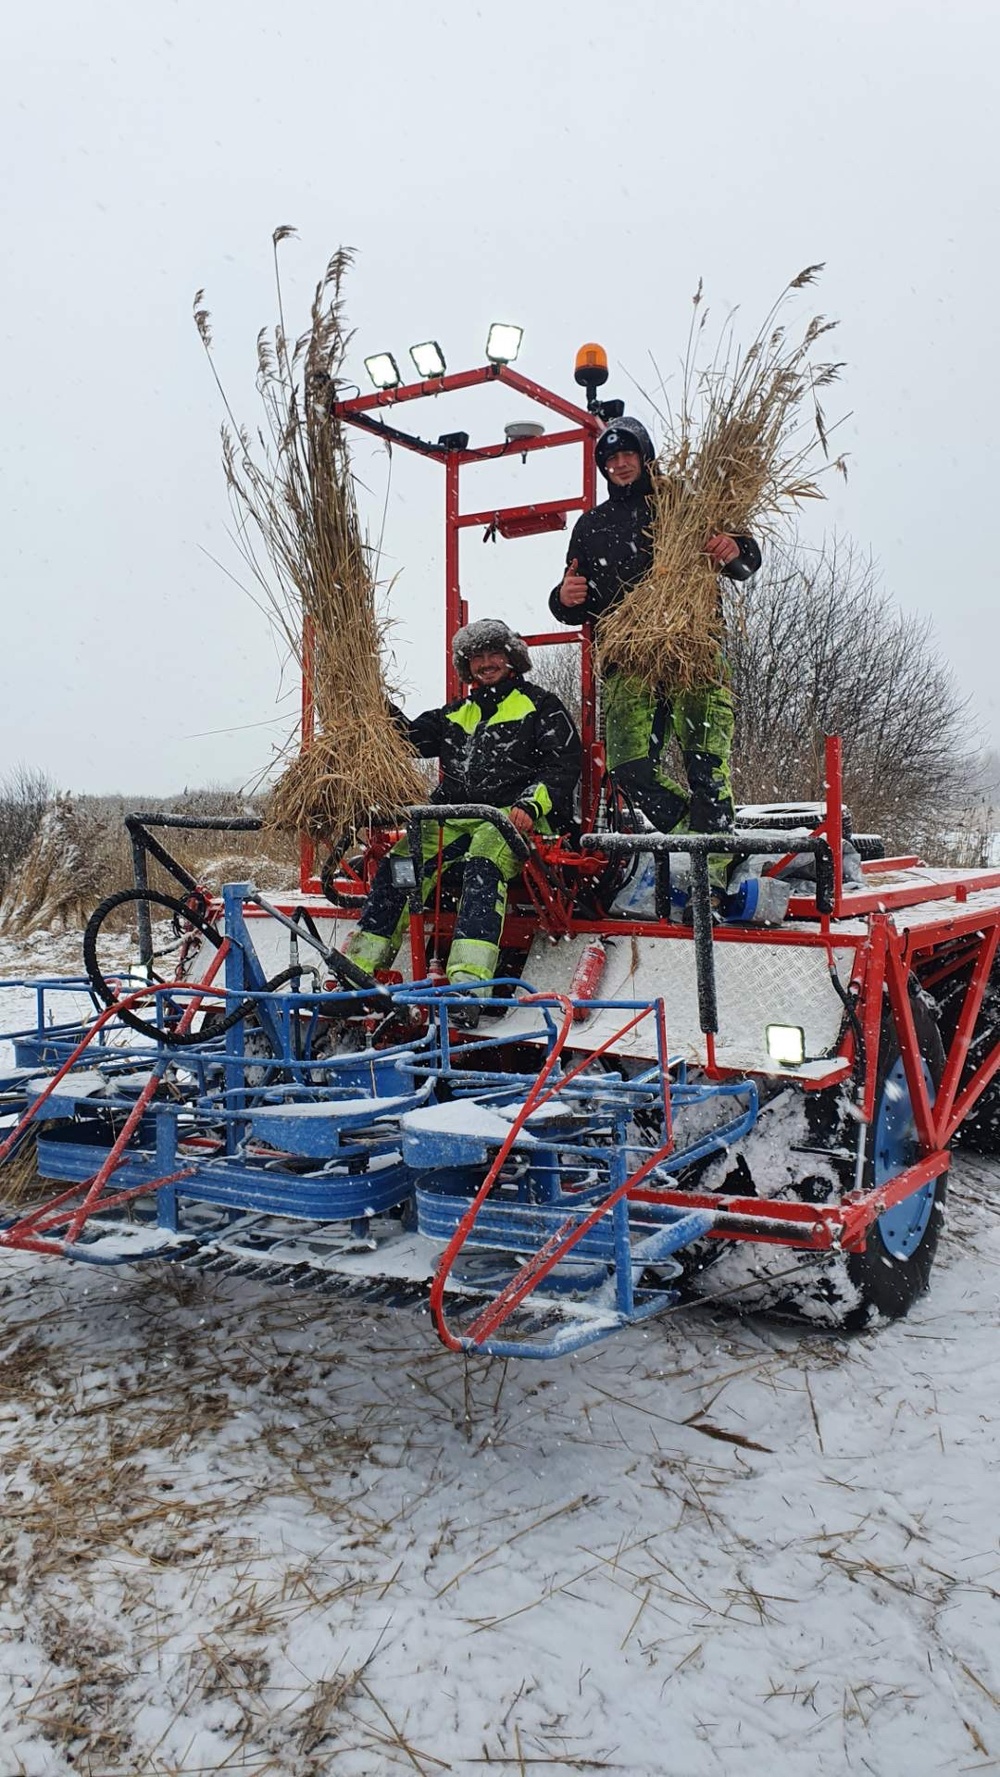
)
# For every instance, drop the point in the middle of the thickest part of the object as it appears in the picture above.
(957, 930)
(909, 928)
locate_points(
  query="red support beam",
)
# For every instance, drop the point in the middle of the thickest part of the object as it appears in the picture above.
(468, 519)
(958, 1053)
(897, 982)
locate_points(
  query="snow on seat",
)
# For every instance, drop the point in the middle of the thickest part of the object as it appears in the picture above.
(75, 1088)
(466, 1132)
(315, 1127)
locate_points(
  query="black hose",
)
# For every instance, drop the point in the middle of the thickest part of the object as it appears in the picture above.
(840, 990)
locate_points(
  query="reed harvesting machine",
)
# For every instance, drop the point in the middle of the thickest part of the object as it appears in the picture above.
(653, 1108)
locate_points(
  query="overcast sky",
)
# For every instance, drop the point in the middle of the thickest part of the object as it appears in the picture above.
(574, 167)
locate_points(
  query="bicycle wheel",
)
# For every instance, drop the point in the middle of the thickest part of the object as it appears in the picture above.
(186, 920)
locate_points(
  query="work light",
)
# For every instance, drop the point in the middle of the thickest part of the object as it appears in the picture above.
(402, 872)
(786, 1044)
(503, 343)
(383, 370)
(428, 358)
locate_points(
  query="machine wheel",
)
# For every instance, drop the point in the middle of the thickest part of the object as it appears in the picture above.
(781, 816)
(850, 1292)
(620, 816)
(186, 919)
(895, 1267)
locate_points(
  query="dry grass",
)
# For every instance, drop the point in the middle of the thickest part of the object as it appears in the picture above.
(739, 454)
(82, 853)
(300, 534)
(19, 1180)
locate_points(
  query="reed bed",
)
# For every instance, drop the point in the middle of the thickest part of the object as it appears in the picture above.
(81, 852)
(19, 1180)
(743, 448)
(300, 534)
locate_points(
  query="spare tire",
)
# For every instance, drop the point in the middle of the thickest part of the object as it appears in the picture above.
(868, 846)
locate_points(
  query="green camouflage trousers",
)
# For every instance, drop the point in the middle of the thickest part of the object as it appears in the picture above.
(639, 726)
(487, 865)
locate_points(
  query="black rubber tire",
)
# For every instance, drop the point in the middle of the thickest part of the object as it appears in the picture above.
(869, 846)
(102, 987)
(786, 819)
(886, 1284)
(350, 976)
(853, 1291)
(621, 816)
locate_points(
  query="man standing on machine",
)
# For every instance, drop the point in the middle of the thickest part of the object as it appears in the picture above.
(609, 552)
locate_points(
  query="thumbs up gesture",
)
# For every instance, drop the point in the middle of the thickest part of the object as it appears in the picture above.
(573, 590)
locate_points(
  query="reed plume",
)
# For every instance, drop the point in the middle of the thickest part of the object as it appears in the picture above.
(299, 531)
(742, 450)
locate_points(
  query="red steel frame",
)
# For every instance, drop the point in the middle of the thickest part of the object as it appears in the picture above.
(888, 957)
(584, 428)
(890, 954)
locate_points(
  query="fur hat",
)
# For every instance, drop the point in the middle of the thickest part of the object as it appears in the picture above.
(488, 633)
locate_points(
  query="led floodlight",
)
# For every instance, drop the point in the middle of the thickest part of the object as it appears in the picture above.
(402, 872)
(428, 358)
(786, 1044)
(383, 370)
(503, 343)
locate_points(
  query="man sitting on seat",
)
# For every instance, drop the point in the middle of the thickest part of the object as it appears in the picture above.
(508, 743)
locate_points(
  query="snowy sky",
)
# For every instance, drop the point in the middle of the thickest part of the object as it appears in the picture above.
(573, 167)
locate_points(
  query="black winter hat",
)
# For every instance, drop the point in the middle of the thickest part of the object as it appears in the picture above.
(481, 637)
(624, 434)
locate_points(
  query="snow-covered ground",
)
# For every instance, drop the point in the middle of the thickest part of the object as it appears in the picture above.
(246, 1530)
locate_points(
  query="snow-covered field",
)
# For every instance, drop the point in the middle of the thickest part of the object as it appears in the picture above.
(252, 1531)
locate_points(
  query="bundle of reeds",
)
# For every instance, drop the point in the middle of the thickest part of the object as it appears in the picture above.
(299, 531)
(741, 450)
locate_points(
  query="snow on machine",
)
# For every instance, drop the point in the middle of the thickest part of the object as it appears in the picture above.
(651, 1105)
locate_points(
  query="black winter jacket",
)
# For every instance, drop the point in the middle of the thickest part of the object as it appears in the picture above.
(612, 548)
(505, 744)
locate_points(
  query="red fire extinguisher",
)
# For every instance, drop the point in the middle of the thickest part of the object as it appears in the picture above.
(587, 977)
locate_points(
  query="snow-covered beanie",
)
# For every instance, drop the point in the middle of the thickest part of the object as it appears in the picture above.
(481, 637)
(624, 434)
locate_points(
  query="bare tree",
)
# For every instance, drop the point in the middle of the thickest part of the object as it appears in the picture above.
(817, 647)
(557, 668)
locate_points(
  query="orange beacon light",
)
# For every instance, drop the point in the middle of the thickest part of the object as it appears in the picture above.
(591, 368)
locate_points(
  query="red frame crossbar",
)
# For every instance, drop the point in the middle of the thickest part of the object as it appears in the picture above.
(584, 428)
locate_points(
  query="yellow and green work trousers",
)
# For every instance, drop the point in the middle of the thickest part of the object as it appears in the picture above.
(472, 849)
(639, 726)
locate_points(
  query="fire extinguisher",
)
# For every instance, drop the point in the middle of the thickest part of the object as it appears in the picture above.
(436, 972)
(587, 977)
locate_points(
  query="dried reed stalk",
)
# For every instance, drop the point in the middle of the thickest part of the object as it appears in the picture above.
(19, 1180)
(738, 456)
(299, 531)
